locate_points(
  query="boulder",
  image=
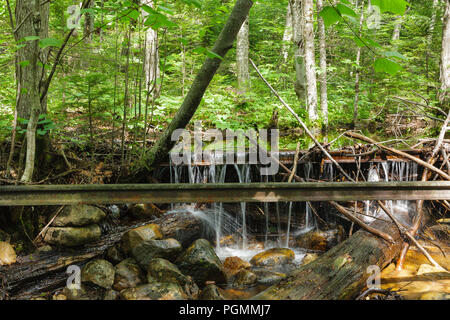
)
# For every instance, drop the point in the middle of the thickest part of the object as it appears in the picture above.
(147, 250)
(162, 270)
(244, 278)
(127, 275)
(267, 277)
(211, 292)
(154, 291)
(72, 236)
(273, 257)
(99, 272)
(75, 294)
(319, 240)
(7, 254)
(233, 264)
(142, 211)
(201, 263)
(138, 235)
(78, 216)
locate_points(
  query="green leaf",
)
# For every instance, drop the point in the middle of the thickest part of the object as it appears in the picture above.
(50, 42)
(393, 6)
(387, 65)
(24, 63)
(344, 10)
(31, 38)
(330, 16)
(394, 54)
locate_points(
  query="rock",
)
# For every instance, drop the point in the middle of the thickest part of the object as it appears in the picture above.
(127, 275)
(111, 295)
(154, 291)
(201, 263)
(99, 272)
(136, 236)
(233, 264)
(319, 240)
(426, 269)
(267, 277)
(147, 250)
(147, 210)
(72, 236)
(78, 216)
(162, 270)
(114, 254)
(244, 278)
(4, 237)
(308, 258)
(211, 292)
(7, 254)
(273, 257)
(434, 295)
(76, 294)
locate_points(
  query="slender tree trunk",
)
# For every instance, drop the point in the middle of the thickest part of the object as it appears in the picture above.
(299, 55)
(444, 96)
(358, 72)
(242, 49)
(89, 23)
(287, 35)
(126, 98)
(397, 29)
(323, 69)
(151, 67)
(192, 100)
(310, 60)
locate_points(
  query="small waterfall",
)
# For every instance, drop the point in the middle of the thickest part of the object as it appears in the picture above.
(243, 174)
(309, 219)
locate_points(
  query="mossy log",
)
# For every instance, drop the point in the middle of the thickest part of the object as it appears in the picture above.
(46, 271)
(341, 273)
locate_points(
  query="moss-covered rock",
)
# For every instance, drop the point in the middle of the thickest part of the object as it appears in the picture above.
(72, 236)
(99, 272)
(78, 216)
(201, 263)
(244, 278)
(154, 291)
(273, 257)
(135, 237)
(211, 292)
(168, 249)
(127, 275)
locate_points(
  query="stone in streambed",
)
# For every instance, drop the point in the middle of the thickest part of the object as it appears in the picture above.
(154, 291)
(127, 275)
(162, 270)
(168, 249)
(114, 254)
(72, 236)
(99, 272)
(232, 265)
(267, 277)
(319, 240)
(7, 254)
(135, 237)
(211, 292)
(273, 257)
(201, 263)
(111, 295)
(244, 278)
(78, 216)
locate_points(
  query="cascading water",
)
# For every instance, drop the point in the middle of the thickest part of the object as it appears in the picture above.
(243, 174)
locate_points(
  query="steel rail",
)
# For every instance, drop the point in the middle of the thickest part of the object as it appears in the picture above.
(35, 195)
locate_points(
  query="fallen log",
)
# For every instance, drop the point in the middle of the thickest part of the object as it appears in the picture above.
(341, 273)
(46, 271)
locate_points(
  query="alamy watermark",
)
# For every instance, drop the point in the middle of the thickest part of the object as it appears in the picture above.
(74, 280)
(191, 147)
(374, 280)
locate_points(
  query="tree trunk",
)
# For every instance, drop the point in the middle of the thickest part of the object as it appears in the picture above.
(358, 72)
(310, 60)
(89, 23)
(242, 49)
(323, 69)
(287, 35)
(299, 55)
(151, 65)
(444, 96)
(342, 272)
(192, 100)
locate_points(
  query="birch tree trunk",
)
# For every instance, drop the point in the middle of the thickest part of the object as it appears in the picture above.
(151, 66)
(323, 68)
(287, 35)
(297, 26)
(242, 49)
(310, 62)
(444, 96)
(358, 62)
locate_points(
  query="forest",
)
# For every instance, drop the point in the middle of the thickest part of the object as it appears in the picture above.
(349, 101)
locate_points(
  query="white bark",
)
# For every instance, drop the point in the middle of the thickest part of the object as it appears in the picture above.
(297, 27)
(444, 96)
(151, 65)
(310, 62)
(287, 35)
(397, 29)
(242, 49)
(323, 67)
(358, 62)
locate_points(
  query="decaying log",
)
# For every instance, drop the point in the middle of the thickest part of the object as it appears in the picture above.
(341, 273)
(46, 271)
